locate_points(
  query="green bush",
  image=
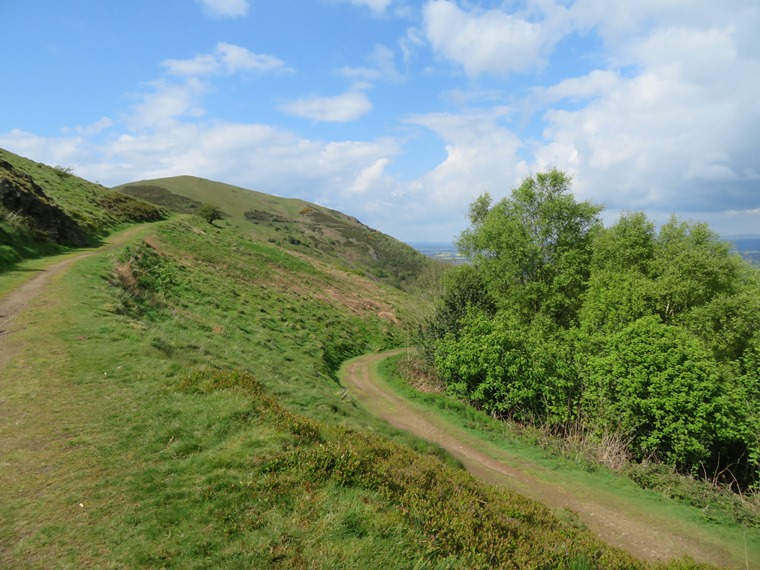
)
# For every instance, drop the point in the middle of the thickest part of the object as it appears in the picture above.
(210, 213)
(658, 386)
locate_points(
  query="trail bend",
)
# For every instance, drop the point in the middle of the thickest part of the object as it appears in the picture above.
(616, 521)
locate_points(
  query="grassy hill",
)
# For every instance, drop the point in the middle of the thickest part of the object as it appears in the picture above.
(293, 224)
(174, 403)
(43, 209)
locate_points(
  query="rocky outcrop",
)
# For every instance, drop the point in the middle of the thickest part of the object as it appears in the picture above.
(20, 194)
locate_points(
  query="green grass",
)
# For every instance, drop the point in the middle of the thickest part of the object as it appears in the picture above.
(183, 413)
(89, 211)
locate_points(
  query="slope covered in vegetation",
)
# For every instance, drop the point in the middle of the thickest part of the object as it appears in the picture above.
(191, 418)
(292, 224)
(43, 208)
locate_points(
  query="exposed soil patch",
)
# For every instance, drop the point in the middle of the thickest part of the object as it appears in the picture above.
(644, 535)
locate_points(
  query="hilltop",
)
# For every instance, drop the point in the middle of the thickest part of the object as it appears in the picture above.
(295, 225)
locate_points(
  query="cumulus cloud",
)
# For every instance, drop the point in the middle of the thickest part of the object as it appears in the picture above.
(663, 117)
(224, 8)
(180, 93)
(664, 121)
(342, 108)
(167, 102)
(255, 156)
(381, 66)
(226, 59)
(484, 41)
(678, 135)
(481, 156)
(369, 177)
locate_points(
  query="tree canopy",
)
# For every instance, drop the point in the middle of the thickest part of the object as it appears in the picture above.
(534, 247)
(650, 334)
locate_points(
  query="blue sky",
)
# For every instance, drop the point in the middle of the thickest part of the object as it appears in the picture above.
(398, 112)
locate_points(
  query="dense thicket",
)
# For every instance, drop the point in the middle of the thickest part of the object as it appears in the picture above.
(650, 334)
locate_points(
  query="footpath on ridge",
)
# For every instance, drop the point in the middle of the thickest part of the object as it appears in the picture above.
(17, 300)
(645, 535)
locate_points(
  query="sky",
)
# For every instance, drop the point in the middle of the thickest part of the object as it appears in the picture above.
(398, 112)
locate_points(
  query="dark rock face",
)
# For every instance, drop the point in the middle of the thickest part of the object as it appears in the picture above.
(20, 194)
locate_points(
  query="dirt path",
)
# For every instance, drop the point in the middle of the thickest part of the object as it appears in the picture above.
(18, 299)
(645, 535)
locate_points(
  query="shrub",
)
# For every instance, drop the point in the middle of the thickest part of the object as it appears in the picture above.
(210, 213)
(657, 385)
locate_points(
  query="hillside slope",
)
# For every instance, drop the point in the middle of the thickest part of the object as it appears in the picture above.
(43, 208)
(191, 418)
(293, 224)
(174, 403)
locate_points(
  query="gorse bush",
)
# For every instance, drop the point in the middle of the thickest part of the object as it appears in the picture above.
(144, 271)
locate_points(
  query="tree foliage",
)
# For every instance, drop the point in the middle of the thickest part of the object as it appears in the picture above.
(647, 333)
(660, 388)
(534, 247)
(210, 213)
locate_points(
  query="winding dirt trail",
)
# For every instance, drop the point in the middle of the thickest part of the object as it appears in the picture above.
(17, 300)
(646, 535)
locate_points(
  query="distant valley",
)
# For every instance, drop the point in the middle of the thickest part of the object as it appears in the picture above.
(747, 246)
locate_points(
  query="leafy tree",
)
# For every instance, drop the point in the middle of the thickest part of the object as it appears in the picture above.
(691, 267)
(505, 368)
(534, 247)
(629, 244)
(649, 334)
(489, 364)
(620, 282)
(659, 387)
(210, 213)
(463, 289)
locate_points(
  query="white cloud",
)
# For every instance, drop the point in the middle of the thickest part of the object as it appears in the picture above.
(92, 129)
(224, 8)
(369, 177)
(679, 135)
(381, 66)
(377, 6)
(255, 156)
(167, 102)
(484, 41)
(481, 156)
(348, 106)
(663, 117)
(227, 58)
(410, 44)
(181, 91)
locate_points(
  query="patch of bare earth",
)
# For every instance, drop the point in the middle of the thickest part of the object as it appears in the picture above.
(616, 522)
(357, 294)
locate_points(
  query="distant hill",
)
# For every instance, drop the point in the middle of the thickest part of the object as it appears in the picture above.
(748, 247)
(446, 252)
(296, 225)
